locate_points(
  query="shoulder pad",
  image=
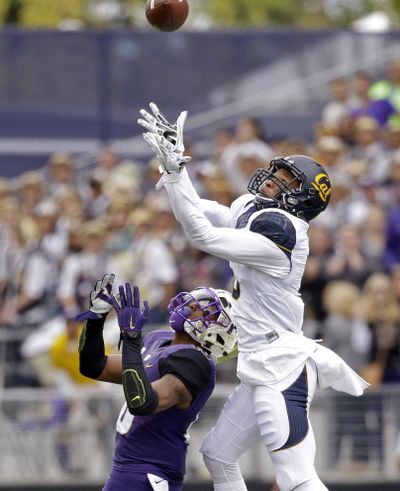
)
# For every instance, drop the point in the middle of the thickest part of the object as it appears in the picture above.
(278, 228)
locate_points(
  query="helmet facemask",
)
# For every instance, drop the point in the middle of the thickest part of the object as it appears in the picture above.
(305, 200)
(285, 188)
(213, 329)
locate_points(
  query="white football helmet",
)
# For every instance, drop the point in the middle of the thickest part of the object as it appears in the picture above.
(214, 329)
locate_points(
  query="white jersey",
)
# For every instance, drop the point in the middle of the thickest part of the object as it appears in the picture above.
(267, 250)
(269, 304)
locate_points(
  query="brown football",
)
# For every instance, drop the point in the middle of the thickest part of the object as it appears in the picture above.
(167, 15)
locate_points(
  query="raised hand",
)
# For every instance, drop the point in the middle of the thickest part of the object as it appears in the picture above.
(170, 162)
(158, 124)
(100, 302)
(131, 318)
(165, 139)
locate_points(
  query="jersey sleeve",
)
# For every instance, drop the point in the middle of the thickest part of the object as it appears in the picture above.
(190, 366)
(237, 245)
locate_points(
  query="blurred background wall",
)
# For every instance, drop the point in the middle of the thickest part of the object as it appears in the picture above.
(75, 90)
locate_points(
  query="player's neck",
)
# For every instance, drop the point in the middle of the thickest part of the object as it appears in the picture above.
(183, 338)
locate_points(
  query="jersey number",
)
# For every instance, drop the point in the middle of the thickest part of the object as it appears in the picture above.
(124, 421)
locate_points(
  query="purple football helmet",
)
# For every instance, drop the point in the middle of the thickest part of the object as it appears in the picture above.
(214, 328)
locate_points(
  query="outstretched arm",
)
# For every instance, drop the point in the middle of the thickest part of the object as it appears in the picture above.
(237, 245)
(218, 215)
(172, 160)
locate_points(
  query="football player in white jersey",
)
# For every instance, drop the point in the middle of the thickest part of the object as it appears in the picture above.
(264, 236)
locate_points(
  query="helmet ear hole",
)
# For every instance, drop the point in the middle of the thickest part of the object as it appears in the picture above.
(307, 203)
(220, 340)
(224, 302)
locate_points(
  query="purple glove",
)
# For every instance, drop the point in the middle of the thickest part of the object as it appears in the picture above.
(130, 318)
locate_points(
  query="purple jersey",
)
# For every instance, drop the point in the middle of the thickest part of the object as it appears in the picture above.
(157, 443)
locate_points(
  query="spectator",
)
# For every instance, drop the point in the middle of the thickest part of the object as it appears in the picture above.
(349, 261)
(315, 274)
(31, 189)
(343, 208)
(107, 160)
(247, 140)
(120, 231)
(33, 300)
(93, 196)
(80, 270)
(61, 169)
(6, 190)
(392, 136)
(389, 88)
(222, 139)
(71, 210)
(329, 151)
(351, 341)
(12, 256)
(153, 262)
(248, 159)
(124, 181)
(218, 189)
(363, 105)
(380, 111)
(373, 237)
(339, 298)
(361, 82)
(391, 187)
(339, 105)
(395, 275)
(295, 146)
(392, 248)
(369, 148)
(380, 312)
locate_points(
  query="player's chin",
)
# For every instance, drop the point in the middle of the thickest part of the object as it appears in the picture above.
(266, 196)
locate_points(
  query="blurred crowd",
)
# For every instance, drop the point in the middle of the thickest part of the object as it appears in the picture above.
(63, 227)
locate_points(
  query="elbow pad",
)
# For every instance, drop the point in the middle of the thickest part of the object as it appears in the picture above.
(140, 397)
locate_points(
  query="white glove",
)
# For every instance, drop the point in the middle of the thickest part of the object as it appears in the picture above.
(100, 299)
(170, 161)
(159, 125)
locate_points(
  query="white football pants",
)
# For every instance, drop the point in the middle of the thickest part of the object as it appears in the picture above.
(279, 414)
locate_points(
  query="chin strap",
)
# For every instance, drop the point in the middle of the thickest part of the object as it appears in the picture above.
(262, 203)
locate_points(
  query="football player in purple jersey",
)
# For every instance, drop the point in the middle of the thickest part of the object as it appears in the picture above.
(167, 377)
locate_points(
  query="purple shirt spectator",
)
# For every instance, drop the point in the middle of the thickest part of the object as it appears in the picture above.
(392, 250)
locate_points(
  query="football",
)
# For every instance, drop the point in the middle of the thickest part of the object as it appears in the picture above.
(167, 15)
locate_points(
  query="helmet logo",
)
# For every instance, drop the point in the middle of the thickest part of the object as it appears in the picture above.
(322, 185)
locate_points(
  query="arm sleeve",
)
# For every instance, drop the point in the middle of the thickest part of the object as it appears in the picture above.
(218, 215)
(140, 396)
(190, 366)
(92, 358)
(236, 245)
